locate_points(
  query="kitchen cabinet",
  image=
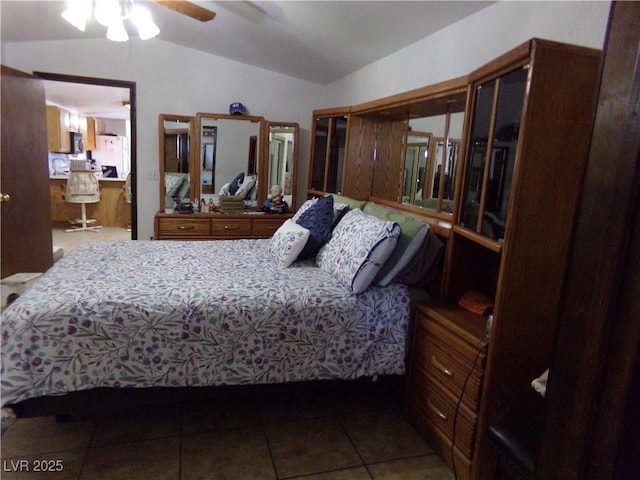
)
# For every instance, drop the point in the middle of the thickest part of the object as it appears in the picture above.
(88, 130)
(58, 129)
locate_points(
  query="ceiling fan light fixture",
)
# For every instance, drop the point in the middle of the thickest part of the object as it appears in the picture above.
(77, 13)
(116, 32)
(141, 18)
(107, 12)
(111, 14)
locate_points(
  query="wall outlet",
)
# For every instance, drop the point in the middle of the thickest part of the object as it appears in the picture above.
(153, 174)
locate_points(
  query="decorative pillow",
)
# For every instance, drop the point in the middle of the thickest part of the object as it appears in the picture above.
(413, 234)
(172, 182)
(339, 210)
(426, 264)
(235, 183)
(246, 186)
(358, 248)
(287, 243)
(318, 218)
(303, 208)
(353, 204)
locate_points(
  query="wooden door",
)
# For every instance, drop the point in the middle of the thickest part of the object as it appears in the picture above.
(24, 176)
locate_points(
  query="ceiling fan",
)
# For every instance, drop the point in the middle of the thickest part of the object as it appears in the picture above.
(188, 8)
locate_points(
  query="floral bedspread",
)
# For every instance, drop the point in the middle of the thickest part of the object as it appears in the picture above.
(163, 313)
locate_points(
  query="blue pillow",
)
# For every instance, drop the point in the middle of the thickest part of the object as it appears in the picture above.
(318, 219)
(235, 183)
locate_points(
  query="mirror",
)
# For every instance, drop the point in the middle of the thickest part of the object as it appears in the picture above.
(228, 158)
(415, 167)
(175, 133)
(283, 159)
(431, 158)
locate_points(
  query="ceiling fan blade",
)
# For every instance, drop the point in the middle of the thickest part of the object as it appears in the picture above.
(187, 8)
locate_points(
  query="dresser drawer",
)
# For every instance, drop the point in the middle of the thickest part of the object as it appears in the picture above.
(266, 227)
(438, 407)
(447, 358)
(231, 227)
(440, 443)
(183, 227)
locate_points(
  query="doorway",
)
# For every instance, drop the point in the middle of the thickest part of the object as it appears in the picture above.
(80, 95)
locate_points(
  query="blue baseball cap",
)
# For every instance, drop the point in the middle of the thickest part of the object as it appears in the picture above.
(236, 108)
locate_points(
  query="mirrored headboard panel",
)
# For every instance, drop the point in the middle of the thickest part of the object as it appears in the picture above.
(229, 149)
(416, 145)
(176, 135)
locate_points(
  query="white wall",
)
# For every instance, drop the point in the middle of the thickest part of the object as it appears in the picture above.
(175, 80)
(472, 42)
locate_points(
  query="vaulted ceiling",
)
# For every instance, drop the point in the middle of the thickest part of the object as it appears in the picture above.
(319, 41)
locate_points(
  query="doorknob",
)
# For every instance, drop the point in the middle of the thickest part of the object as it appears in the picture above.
(4, 197)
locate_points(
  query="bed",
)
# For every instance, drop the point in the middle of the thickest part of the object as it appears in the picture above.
(142, 314)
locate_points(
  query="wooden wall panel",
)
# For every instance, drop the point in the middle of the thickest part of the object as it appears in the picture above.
(358, 173)
(388, 168)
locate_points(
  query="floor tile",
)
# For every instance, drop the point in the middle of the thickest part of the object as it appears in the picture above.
(28, 436)
(70, 240)
(219, 414)
(358, 473)
(64, 465)
(158, 459)
(428, 467)
(383, 435)
(227, 455)
(294, 405)
(137, 424)
(311, 446)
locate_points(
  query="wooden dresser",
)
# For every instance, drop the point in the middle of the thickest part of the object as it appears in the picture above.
(446, 370)
(216, 226)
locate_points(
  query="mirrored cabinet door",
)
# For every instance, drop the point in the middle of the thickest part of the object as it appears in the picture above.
(283, 159)
(492, 153)
(328, 152)
(175, 134)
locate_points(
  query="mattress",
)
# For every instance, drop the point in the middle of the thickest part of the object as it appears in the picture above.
(178, 313)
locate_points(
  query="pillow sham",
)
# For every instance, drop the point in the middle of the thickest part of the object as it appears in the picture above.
(339, 209)
(172, 182)
(246, 186)
(413, 234)
(359, 247)
(235, 183)
(287, 243)
(318, 219)
(303, 208)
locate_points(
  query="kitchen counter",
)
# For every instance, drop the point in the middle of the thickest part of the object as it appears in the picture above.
(110, 211)
(100, 179)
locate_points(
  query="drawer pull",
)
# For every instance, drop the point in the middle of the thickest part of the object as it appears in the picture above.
(185, 227)
(231, 227)
(436, 411)
(441, 367)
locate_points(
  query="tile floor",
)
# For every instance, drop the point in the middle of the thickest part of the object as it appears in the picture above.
(70, 240)
(348, 431)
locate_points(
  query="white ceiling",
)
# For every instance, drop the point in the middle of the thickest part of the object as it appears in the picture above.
(318, 41)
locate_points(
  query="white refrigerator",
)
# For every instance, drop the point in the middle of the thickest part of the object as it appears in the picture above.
(113, 151)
